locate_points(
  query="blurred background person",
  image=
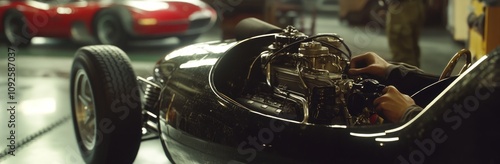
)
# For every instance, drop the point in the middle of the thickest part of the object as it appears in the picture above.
(405, 19)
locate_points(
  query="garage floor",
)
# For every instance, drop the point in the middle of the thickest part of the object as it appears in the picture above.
(43, 126)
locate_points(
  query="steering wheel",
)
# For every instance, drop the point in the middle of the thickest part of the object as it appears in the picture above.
(454, 60)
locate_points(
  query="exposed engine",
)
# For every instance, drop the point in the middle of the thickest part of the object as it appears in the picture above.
(312, 71)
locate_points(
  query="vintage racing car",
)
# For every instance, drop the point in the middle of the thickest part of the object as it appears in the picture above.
(104, 21)
(276, 96)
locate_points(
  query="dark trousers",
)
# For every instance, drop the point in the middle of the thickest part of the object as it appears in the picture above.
(404, 22)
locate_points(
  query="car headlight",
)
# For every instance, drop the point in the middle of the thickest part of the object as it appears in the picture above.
(147, 21)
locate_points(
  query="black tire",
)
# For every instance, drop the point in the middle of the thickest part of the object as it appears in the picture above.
(188, 39)
(16, 31)
(104, 90)
(109, 29)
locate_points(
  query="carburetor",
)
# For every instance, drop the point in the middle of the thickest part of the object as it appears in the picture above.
(319, 57)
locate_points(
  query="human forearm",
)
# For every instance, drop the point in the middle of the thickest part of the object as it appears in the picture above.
(408, 79)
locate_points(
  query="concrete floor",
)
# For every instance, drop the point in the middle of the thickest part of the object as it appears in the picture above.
(42, 87)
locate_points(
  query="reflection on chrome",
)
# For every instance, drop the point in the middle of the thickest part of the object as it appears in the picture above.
(197, 63)
(338, 126)
(222, 104)
(392, 139)
(219, 48)
(367, 134)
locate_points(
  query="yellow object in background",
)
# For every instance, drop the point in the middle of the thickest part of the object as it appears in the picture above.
(482, 43)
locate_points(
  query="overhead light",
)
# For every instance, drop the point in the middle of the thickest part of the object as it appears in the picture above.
(197, 63)
(367, 134)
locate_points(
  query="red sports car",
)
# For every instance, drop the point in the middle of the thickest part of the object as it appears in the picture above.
(112, 22)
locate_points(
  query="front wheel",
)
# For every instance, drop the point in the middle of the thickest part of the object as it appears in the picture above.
(16, 31)
(109, 29)
(106, 106)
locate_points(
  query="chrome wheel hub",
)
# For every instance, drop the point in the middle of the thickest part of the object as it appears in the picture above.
(85, 110)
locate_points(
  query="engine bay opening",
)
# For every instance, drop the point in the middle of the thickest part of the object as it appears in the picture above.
(301, 78)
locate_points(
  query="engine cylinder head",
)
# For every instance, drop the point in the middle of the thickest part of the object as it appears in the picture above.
(319, 57)
(313, 49)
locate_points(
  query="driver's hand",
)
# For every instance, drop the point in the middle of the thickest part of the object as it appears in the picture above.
(392, 104)
(369, 63)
